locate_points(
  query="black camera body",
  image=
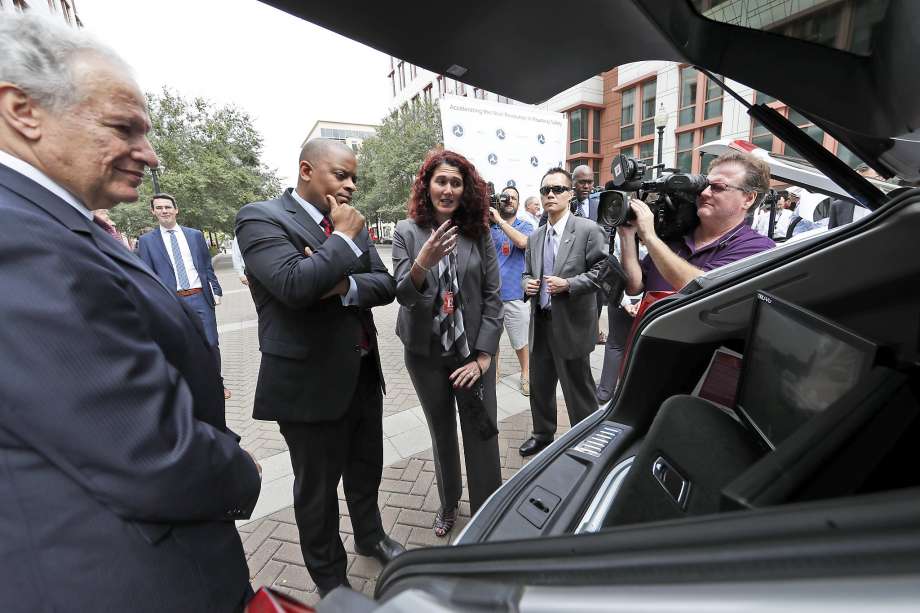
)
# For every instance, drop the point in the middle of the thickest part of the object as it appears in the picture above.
(496, 200)
(671, 197)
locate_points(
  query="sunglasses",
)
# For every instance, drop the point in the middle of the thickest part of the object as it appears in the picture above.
(556, 189)
(718, 188)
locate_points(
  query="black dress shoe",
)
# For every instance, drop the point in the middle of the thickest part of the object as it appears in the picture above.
(532, 446)
(324, 589)
(383, 550)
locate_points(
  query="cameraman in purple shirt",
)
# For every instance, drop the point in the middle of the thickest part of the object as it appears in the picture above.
(737, 181)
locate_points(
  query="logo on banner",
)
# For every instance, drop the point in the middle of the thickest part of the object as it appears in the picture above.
(534, 161)
(493, 159)
(500, 134)
(541, 139)
(458, 130)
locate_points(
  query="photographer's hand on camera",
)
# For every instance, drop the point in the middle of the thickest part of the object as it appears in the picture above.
(518, 238)
(676, 270)
(645, 220)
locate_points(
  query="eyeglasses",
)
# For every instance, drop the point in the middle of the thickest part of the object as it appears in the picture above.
(556, 189)
(718, 188)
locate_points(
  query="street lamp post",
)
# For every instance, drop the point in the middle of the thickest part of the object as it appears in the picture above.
(661, 120)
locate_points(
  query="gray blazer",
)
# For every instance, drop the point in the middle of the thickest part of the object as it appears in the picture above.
(477, 267)
(582, 249)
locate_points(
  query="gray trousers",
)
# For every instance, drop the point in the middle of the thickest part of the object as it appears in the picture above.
(546, 369)
(438, 397)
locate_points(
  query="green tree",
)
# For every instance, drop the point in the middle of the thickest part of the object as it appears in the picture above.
(389, 161)
(211, 158)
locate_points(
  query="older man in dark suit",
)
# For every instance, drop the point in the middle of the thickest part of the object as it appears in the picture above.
(120, 480)
(314, 276)
(561, 262)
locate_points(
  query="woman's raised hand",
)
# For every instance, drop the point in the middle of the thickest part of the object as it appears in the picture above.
(441, 242)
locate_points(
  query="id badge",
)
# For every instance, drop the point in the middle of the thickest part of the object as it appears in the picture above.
(447, 303)
(506, 248)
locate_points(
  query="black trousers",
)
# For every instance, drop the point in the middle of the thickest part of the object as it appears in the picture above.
(619, 322)
(546, 369)
(351, 449)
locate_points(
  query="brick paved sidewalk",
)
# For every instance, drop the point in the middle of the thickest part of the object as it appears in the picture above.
(408, 502)
(408, 495)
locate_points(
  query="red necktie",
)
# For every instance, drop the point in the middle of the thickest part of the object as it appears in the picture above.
(326, 225)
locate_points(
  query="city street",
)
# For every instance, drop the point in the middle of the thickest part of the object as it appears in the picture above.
(408, 496)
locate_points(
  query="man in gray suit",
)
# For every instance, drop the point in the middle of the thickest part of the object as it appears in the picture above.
(563, 258)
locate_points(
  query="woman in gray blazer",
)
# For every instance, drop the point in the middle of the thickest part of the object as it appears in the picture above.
(450, 320)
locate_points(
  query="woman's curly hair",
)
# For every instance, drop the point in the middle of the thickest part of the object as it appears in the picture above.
(472, 213)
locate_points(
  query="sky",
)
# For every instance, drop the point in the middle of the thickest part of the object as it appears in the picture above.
(285, 72)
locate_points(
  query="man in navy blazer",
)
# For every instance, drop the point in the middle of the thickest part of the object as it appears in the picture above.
(180, 257)
(119, 480)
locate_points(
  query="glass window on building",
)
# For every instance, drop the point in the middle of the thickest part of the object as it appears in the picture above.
(597, 131)
(647, 152)
(687, 112)
(760, 136)
(709, 134)
(648, 108)
(713, 105)
(684, 157)
(762, 98)
(848, 157)
(578, 131)
(627, 118)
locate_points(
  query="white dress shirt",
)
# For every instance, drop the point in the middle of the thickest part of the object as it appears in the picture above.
(583, 208)
(238, 265)
(558, 228)
(350, 298)
(194, 281)
(31, 172)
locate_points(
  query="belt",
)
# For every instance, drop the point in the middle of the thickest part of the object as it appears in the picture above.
(188, 292)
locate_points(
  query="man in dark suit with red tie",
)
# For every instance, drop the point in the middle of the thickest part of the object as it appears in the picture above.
(314, 276)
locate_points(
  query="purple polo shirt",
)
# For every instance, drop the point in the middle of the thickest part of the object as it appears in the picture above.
(739, 242)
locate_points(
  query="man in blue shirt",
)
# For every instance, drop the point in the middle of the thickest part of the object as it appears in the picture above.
(510, 237)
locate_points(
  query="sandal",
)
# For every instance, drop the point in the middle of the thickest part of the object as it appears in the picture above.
(444, 521)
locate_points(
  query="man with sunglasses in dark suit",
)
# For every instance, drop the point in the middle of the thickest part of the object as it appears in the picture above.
(737, 181)
(562, 260)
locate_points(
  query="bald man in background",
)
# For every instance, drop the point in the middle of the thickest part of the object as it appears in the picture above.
(314, 274)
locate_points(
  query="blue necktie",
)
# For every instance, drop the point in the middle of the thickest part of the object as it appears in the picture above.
(180, 263)
(549, 263)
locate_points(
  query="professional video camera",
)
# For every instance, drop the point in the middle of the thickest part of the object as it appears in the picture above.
(496, 200)
(671, 196)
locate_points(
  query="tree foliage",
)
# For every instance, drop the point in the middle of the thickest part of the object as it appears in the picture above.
(211, 158)
(389, 161)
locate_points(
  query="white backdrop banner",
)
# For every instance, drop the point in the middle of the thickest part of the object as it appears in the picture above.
(509, 144)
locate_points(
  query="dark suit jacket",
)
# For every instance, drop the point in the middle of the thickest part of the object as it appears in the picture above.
(477, 271)
(151, 249)
(119, 479)
(582, 250)
(310, 345)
